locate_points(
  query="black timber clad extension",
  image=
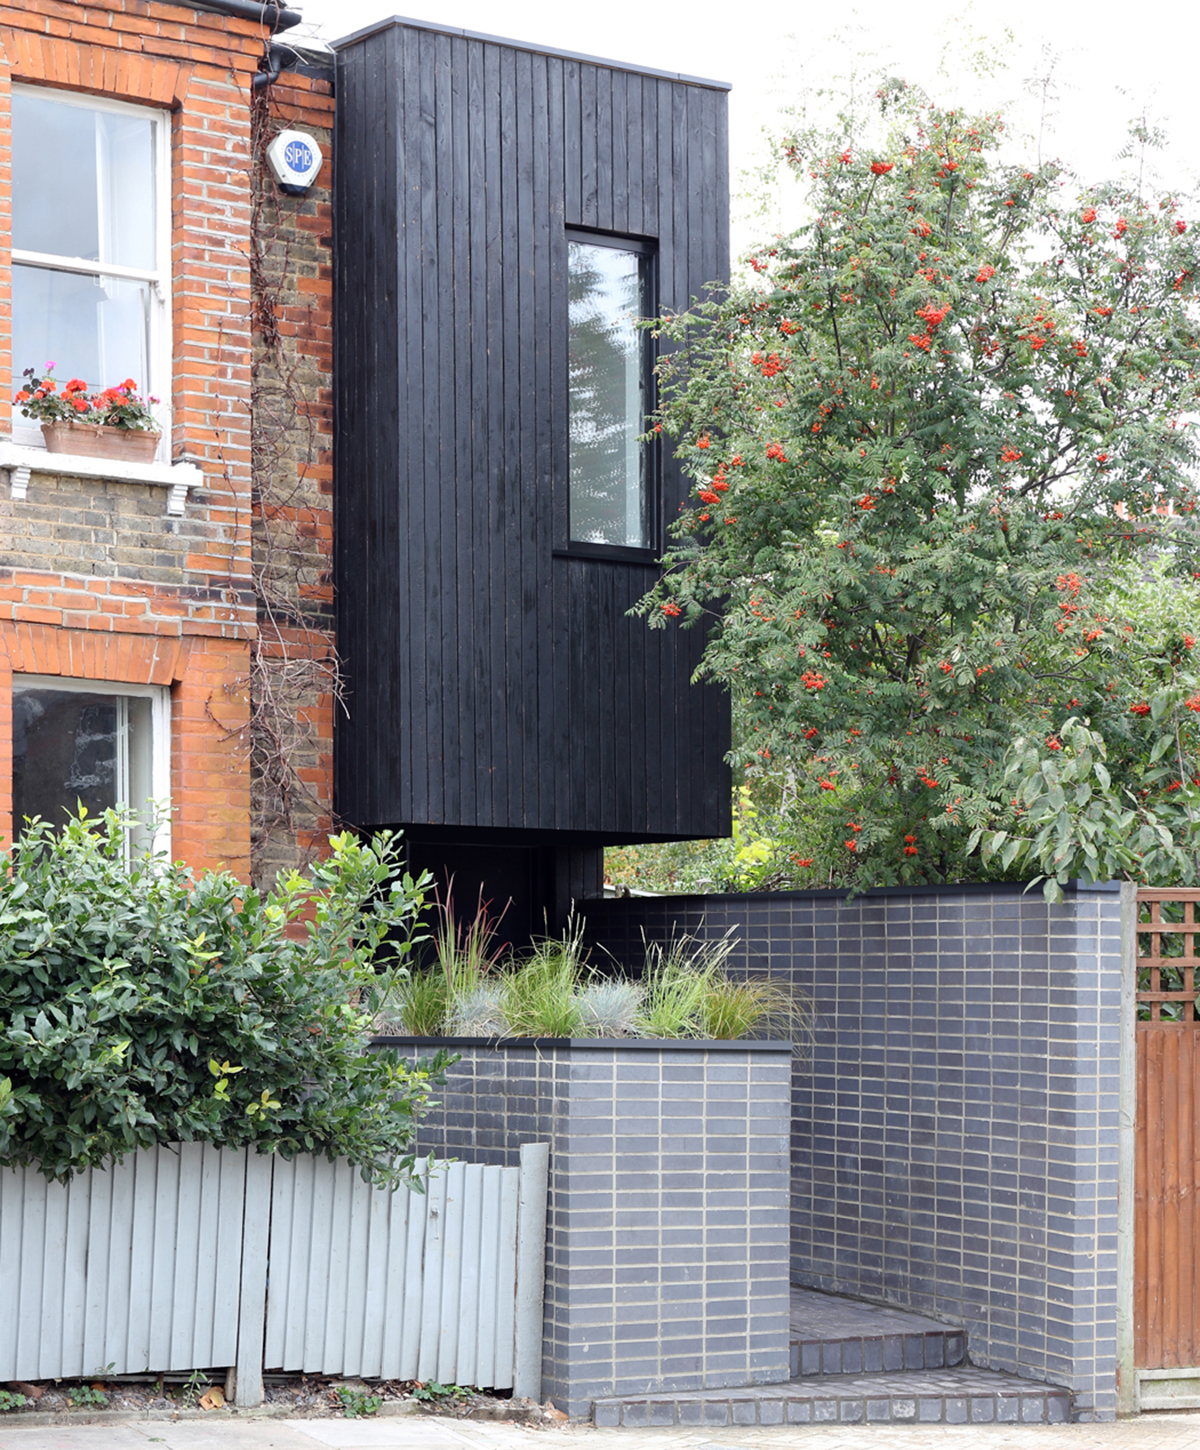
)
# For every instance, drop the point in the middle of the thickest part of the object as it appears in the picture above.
(494, 683)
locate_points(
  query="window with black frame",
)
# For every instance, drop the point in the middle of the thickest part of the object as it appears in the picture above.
(610, 366)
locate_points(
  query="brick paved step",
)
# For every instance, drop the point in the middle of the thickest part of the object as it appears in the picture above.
(832, 1335)
(959, 1396)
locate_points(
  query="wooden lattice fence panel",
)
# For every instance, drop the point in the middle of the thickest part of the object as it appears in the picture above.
(1166, 1220)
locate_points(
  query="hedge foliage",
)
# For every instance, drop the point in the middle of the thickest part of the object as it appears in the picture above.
(140, 1004)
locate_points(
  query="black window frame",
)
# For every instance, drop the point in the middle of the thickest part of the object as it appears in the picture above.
(647, 248)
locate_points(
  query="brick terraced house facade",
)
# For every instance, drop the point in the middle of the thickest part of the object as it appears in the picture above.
(150, 612)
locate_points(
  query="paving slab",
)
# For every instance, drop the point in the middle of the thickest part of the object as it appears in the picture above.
(366, 1432)
(406, 1433)
(164, 1434)
(1165, 1430)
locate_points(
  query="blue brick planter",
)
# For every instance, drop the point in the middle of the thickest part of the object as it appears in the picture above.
(667, 1242)
(954, 1137)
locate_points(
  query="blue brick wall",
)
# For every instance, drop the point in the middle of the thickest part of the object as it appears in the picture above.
(667, 1236)
(954, 1133)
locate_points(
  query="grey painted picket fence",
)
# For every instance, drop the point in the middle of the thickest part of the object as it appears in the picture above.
(193, 1257)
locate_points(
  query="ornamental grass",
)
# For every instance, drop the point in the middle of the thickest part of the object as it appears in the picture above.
(685, 989)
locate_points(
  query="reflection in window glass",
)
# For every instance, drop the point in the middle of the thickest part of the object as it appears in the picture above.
(95, 328)
(79, 747)
(608, 382)
(84, 181)
(96, 200)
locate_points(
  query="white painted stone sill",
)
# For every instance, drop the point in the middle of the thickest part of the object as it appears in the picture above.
(176, 478)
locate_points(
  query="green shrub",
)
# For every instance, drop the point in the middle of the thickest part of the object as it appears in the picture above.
(140, 1004)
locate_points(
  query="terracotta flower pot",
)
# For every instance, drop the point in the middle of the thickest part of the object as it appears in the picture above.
(94, 440)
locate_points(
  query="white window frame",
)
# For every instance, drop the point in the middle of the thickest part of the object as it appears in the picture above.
(29, 433)
(160, 738)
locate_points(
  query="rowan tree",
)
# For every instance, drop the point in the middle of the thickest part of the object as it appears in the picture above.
(939, 442)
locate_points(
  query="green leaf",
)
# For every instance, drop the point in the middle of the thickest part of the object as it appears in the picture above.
(1161, 746)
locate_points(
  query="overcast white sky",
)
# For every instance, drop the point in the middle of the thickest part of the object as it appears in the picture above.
(1111, 61)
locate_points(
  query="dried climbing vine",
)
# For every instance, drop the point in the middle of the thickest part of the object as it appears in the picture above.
(294, 667)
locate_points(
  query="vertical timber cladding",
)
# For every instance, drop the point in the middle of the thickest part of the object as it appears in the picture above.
(492, 682)
(1167, 1182)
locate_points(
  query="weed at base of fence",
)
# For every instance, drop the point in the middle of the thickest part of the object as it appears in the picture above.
(9, 1400)
(84, 1395)
(434, 1393)
(356, 1403)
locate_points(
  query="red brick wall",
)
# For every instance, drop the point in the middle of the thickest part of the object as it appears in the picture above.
(293, 462)
(209, 782)
(158, 599)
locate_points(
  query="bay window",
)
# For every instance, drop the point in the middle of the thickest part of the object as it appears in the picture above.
(90, 243)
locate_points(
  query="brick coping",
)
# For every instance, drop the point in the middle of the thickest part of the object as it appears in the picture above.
(593, 1044)
(842, 893)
